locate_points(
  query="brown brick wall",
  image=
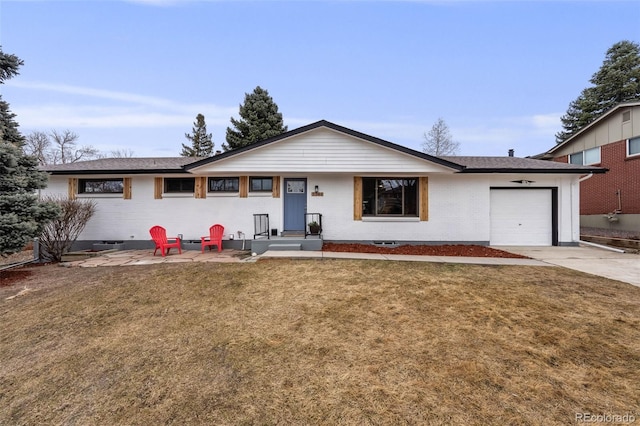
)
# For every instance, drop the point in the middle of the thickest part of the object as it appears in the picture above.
(598, 195)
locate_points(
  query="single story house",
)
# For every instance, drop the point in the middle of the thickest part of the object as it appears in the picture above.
(361, 189)
(612, 200)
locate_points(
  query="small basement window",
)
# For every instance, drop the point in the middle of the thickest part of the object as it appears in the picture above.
(100, 186)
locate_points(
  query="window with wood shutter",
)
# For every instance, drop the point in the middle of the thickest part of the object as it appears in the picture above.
(127, 189)
(157, 188)
(275, 192)
(201, 187)
(391, 197)
(357, 198)
(73, 188)
(244, 186)
(424, 198)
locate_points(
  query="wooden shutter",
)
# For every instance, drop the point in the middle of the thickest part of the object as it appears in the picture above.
(275, 187)
(157, 188)
(424, 198)
(357, 198)
(244, 186)
(201, 187)
(126, 190)
(73, 188)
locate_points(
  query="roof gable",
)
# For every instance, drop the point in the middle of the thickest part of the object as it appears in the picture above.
(324, 147)
(603, 118)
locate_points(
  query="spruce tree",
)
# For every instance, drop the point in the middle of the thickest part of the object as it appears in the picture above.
(22, 216)
(617, 80)
(201, 141)
(259, 120)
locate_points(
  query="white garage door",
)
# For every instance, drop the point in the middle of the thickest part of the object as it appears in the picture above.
(521, 217)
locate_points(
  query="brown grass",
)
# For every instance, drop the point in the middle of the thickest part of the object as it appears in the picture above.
(317, 342)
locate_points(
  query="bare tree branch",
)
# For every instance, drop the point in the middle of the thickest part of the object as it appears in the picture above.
(439, 141)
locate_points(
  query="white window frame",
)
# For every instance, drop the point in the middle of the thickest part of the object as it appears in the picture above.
(584, 154)
(635, 140)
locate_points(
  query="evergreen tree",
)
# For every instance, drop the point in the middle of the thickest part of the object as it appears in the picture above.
(439, 141)
(259, 120)
(22, 216)
(201, 141)
(617, 80)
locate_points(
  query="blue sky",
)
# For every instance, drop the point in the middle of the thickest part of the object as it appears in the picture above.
(133, 75)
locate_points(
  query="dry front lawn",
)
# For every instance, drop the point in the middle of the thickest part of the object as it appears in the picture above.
(317, 342)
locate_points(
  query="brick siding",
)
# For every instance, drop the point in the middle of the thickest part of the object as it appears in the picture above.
(598, 195)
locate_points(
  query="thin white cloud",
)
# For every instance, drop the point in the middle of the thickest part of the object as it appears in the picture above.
(91, 92)
(129, 110)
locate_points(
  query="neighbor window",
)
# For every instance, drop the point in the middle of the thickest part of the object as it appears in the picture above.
(261, 184)
(634, 146)
(100, 186)
(177, 185)
(577, 158)
(586, 157)
(230, 184)
(390, 196)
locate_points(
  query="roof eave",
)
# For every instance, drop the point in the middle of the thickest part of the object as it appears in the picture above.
(115, 172)
(536, 171)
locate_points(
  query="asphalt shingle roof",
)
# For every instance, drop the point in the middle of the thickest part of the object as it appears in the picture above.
(129, 165)
(517, 164)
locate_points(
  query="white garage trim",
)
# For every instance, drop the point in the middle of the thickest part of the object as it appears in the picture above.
(523, 216)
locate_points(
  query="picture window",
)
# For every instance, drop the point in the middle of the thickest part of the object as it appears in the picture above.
(390, 197)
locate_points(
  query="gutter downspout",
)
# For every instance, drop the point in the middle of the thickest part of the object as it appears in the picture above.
(582, 179)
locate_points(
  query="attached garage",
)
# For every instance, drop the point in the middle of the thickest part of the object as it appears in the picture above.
(523, 216)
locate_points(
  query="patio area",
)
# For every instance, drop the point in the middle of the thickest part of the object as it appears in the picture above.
(146, 257)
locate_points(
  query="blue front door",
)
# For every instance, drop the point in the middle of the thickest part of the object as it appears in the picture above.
(295, 203)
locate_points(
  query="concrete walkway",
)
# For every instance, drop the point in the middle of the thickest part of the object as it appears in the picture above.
(623, 267)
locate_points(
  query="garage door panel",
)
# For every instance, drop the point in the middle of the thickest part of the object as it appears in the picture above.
(521, 217)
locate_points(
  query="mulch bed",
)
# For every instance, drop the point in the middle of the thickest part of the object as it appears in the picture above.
(12, 276)
(424, 250)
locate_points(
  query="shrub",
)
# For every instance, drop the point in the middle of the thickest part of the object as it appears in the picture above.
(60, 234)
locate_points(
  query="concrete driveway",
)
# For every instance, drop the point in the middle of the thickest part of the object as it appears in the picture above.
(623, 267)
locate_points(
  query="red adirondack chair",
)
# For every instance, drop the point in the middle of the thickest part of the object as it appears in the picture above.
(159, 236)
(214, 238)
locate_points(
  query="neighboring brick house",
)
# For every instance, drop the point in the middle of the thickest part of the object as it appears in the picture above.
(610, 200)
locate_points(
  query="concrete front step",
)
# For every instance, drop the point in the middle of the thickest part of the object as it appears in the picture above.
(285, 247)
(259, 246)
